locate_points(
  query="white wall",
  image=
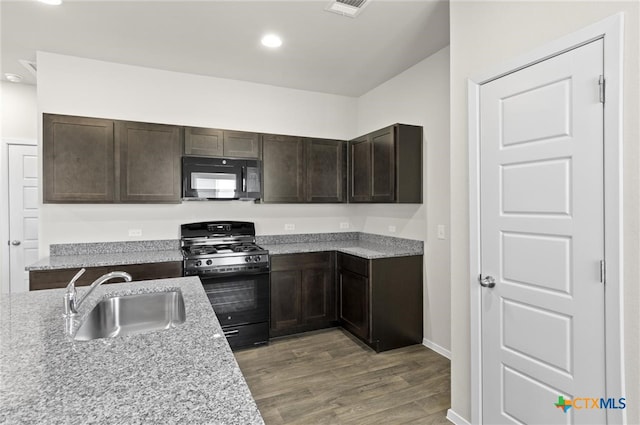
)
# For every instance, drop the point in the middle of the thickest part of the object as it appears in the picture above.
(484, 35)
(19, 111)
(77, 86)
(419, 96)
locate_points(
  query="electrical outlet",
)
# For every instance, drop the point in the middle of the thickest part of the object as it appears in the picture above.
(392, 229)
(135, 232)
(289, 227)
(344, 225)
(441, 231)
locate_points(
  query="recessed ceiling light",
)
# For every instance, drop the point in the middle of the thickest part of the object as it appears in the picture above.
(51, 2)
(271, 40)
(14, 78)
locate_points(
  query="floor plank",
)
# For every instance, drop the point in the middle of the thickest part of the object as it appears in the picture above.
(329, 377)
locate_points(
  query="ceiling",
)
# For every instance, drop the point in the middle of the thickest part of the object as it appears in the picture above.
(321, 51)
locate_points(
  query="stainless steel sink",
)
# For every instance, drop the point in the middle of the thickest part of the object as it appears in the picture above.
(128, 314)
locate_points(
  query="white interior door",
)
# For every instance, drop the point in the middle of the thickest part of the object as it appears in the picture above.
(542, 240)
(23, 214)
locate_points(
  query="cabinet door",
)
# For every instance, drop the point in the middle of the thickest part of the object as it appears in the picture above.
(240, 144)
(383, 165)
(78, 159)
(354, 303)
(203, 141)
(149, 162)
(360, 185)
(318, 295)
(285, 299)
(282, 165)
(326, 166)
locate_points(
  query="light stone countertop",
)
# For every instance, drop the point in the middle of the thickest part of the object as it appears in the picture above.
(365, 245)
(181, 375)
(57, 262)
(359, 248)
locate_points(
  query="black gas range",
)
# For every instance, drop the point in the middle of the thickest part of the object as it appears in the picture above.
(235, 275)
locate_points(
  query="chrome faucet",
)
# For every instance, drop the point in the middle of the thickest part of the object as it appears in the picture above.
(71, 303)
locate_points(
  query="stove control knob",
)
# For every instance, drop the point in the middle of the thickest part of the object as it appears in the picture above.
(256, 259)
(209, 262)
(247, 259)
(198, 263)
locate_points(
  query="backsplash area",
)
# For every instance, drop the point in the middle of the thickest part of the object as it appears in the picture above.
(93, 248)
(112, 247)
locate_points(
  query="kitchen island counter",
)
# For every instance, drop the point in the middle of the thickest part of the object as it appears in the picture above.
(186, 374)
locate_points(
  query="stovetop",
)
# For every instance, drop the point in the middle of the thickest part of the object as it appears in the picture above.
(221, 247)
(195, 251)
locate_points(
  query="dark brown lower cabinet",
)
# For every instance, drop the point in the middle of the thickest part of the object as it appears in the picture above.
(354, 303)
(49, 279)
(380, 300)
(302, 292)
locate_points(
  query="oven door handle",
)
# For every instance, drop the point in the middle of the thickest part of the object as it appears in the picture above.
(230, 334)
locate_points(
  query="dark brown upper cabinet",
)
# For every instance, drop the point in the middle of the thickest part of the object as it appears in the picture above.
(149, 162)
(360, 170)
(283, 169)
(303, 170)
(326, 166)
(386, 166)
(240, 144)
(91, 160)
(221, 143)
(78, 159)
(203, 142)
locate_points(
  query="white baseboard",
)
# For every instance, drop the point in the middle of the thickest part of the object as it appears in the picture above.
(453, 417)
(438, 349)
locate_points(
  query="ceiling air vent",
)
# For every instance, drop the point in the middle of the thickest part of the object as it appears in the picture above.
(31, 66)
(350, 8)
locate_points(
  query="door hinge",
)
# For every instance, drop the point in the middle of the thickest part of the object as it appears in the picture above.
(603, 271)
(601, 84)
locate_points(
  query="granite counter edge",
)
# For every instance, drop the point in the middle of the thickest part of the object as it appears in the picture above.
(101, 260)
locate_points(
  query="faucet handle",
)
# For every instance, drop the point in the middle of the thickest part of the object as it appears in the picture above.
(72, 283)
(70, 302)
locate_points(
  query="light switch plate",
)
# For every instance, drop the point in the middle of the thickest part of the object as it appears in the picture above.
(392, 229)
(441, 231)
(344, 225)
(289, 227)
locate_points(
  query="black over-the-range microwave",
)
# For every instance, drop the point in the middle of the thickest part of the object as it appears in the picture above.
(220, 178)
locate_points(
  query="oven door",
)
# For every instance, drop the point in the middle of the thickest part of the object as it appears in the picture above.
(239, 300)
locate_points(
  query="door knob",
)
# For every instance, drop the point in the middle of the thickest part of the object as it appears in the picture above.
(15, 243)
(487, 281)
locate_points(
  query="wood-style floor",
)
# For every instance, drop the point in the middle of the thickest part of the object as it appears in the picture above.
(329, 377)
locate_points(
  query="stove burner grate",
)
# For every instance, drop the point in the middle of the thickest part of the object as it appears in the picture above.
(202, 250)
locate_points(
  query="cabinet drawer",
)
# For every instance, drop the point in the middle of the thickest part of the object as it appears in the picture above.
(247, 335)
(353, 264)
(301, 261)
(49, 279)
